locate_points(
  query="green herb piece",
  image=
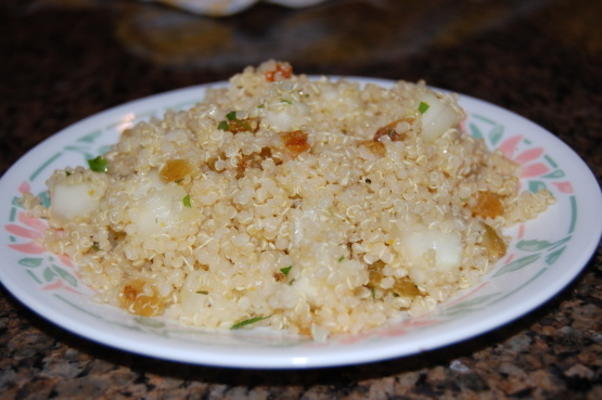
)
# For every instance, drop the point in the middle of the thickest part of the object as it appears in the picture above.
(261, 106)
(287, 101)
(95, 246)
(286, 270)
(249, 321)
(373, 293)
(68, 173)
(341, 258)
(98, 164)
(423, 107)
(223, 125)
(202, 292)
(186, 201)
(231, 116)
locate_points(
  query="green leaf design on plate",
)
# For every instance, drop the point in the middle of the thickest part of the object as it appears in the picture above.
(76, 148)
(44, 198)
(470, 305)
(475, 131)
(149, 322)
(533, 245)
(31, 262)
(561, 241)
(135, 328)
(556, 174)
(536, 245)
(550, 160)
(104, 149)
(553, 256)
(49, 274)
(496, 134)
(90, 137)
(67, 277)
(536, 186)
(517, 264)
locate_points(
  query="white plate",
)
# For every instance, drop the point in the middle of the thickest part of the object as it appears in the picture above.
(544, 256)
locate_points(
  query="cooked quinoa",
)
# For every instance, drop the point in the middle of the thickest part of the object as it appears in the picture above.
(314, 206)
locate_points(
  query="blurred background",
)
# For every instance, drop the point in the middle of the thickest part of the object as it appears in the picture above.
(63, 60)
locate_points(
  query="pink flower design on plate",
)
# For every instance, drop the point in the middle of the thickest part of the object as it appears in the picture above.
(31, 229)
(563, 187)
(34, 229)
(531, 167)
(526, 158)
(60, 284)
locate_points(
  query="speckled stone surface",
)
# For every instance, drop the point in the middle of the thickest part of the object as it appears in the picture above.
(62, 60)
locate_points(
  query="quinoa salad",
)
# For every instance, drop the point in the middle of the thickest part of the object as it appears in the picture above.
(314, 206)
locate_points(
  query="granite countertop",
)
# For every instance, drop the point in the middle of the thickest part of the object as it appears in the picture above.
(63, 60)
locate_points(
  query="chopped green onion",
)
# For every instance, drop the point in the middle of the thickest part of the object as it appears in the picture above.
(422, 107)
(287, 101)
(231, 116)
(341, 258)
(98, 164)
(286, 270)
(223, 125)
(373, 292)
(202, 292)
(186, 201)
(249, 321)
(95, 246)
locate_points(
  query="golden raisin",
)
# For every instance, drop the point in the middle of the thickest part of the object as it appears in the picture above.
(243, 125)
(389, 130)
(198, 265)
(375, 273)
(175, 170)
(265, 152)
(488, 205)
(376, 148)
(116, 236)
(253, 160)
(303, 328)
(295, 142)
(404, 287)
(495, 245)
(134, 299)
